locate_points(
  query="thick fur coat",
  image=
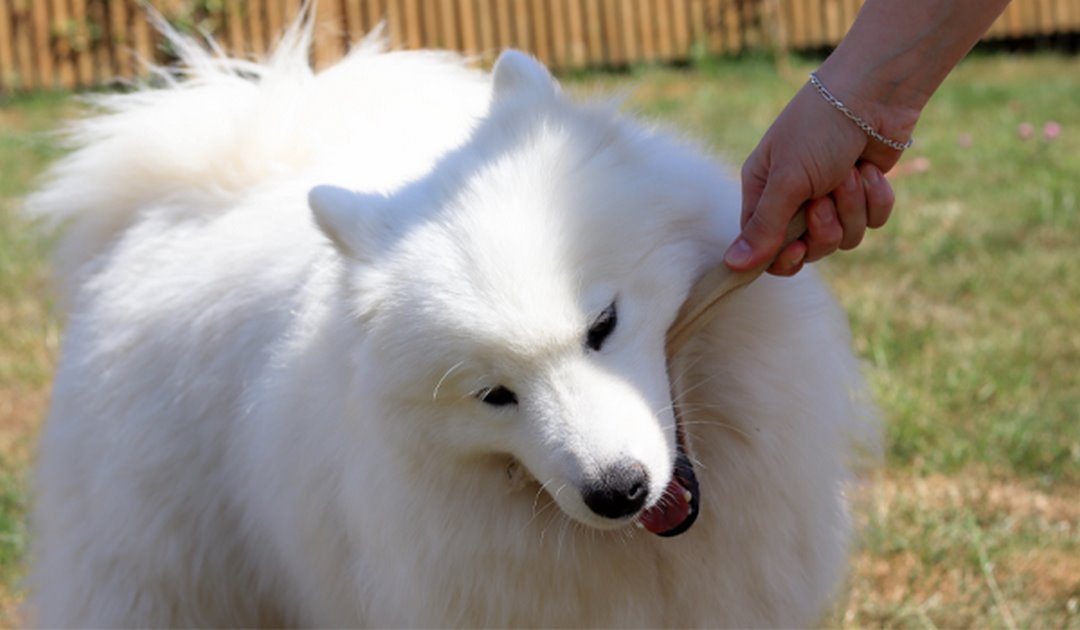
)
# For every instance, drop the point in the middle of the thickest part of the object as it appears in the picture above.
(289, 296)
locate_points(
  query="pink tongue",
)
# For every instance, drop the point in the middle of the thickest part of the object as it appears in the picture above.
(670, 512)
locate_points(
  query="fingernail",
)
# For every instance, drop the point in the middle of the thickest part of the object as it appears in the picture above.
(738, 254)
(798, 261)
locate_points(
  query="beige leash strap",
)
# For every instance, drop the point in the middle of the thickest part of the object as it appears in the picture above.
(713, 286)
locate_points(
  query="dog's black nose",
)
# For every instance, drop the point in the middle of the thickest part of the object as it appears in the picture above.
(620, 491)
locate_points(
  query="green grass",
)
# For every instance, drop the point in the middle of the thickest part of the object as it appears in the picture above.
(963, 308)
(28, 331)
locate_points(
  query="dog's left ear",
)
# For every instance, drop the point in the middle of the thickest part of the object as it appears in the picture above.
(518, 73)
(356, 223)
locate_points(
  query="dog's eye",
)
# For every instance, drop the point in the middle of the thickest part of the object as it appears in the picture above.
(497, 396)
(601, 328)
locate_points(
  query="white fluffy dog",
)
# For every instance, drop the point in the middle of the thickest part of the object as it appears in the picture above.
(384, 346)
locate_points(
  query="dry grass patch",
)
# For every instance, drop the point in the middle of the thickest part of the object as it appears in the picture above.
(966, 551)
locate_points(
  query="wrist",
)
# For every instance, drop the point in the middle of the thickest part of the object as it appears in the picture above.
(888, 103)
(859, 121)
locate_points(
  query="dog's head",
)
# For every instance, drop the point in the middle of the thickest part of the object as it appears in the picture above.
(518, 296)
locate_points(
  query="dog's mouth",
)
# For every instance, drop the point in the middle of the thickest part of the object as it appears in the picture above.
(677, 508)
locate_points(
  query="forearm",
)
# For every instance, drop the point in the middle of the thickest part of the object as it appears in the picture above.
(898, 52)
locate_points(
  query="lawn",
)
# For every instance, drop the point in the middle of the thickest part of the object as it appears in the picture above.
(963, 309)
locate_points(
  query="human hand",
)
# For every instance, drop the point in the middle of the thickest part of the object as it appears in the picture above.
(812, 156)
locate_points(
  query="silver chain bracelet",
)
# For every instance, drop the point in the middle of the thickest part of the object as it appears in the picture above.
(865, 126)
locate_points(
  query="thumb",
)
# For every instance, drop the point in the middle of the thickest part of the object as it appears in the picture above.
(763, 233)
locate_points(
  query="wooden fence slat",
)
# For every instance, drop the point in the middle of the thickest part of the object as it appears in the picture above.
(409, 19)
(578, 47)
(663, 30)
(395, 20)
(644, 22)
(234, 27)
(611, 32)
(413, 29)
(714, 42)
(1015, 16)
(541, 36)
(470, 40)
(485, 13)
(60, 35)
(832, 20)
(354, 21)
(1034, 18)
(79, 38)
(594, 34)
(7, 49)
(797, 32)
(42, 54)
(275, 21)
(699, 24)
(630, 48)
(504, 25)
(522, 32)
(145, 36)
(292, 11)
(448, 16)
(370, 16)
(560, 35)
(118, 38)
(1064, 14)
(1048, 16)
(1023, 17)
(448, 19)
(733, 33)
(680, 19)
(774, 24)
(429, 19)
(256, 35)
(328, 33)
(1070, 10)
(854, 6)
(101, 60)
(24, 47)
(813, 17)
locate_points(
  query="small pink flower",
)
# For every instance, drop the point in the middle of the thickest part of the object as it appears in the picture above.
(1025, 130)
(964, 140)
(1051, 130)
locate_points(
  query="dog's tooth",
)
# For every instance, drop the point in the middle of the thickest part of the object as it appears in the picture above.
(638, 525)
(687, 496)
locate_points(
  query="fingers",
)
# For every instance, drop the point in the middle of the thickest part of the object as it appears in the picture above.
(790, 260)
(879, 195)
(839, 221)
(851, 209)
(824, 231)
(763, 232)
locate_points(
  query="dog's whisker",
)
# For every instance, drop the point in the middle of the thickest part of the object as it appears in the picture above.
(435, 392)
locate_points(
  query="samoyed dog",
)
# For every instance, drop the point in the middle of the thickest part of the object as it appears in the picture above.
(383, 345)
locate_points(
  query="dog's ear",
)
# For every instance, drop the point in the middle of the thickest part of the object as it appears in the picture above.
(354, 222)
(518, 73)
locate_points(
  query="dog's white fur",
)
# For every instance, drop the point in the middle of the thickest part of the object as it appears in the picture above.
(260, 418)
